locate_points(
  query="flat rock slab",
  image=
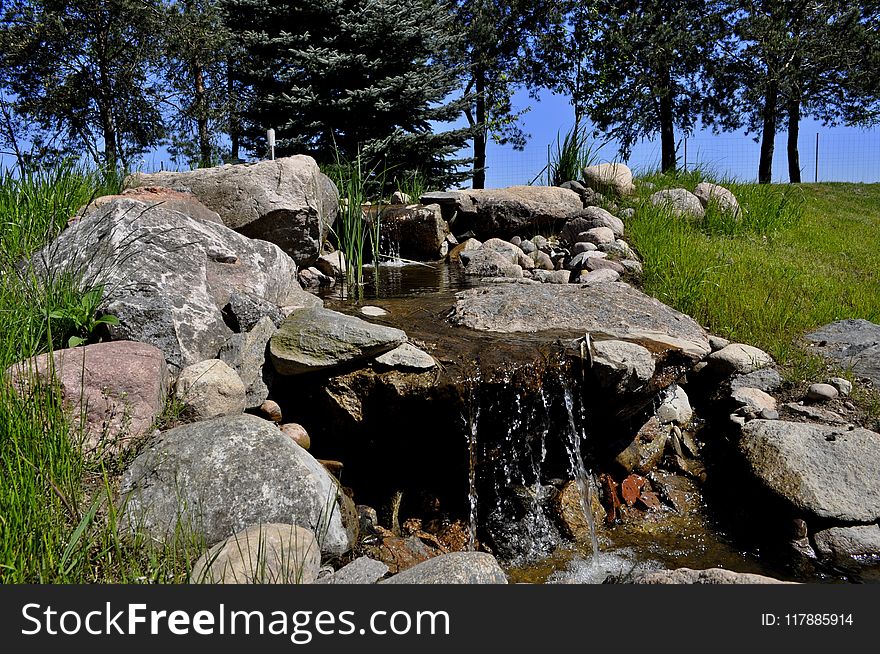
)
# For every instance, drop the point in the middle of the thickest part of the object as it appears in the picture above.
(453, 568)
(612, 310)
(844, 544)
(710, 576)
(850, 344)
(118, 388)
(318, 339)
(830, 472)
(224, 475)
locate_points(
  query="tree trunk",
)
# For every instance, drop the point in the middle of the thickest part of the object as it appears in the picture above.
(233, 111)
(201, 111)
(794, 159)
(667, 133)
(480, 136)
(769, 117)
(105, 105)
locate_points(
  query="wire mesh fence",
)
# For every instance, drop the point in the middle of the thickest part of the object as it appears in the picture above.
(829, 156)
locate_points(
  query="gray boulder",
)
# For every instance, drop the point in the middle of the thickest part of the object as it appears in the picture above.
(829, 472)
(613, 311)
(679, 201)
(486, 262)
(246, 354)
(418, 230)
(287, 201)
(453, 568)
(622, 366)
(765, 379)
(262, 554)
(167, 277)
(221, 476)
(363, 570)
(849, 544)
(614, 177)
(588, 219)
(851, 344)
(738, 358)
(407, 357)
(318, 339)
(710, 576)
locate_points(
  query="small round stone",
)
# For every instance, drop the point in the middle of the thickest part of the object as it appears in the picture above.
(843, 386)
(821, 392)
(297, 434)
(271, 410)
(373, 312)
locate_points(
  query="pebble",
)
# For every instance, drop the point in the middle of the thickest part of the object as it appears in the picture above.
(373, 311)
(821, 392)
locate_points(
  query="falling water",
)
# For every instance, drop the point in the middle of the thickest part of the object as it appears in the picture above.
(579, 470)
(473, 421)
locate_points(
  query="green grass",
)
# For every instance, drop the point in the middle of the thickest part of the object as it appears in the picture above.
(58, 520)
(800, 257)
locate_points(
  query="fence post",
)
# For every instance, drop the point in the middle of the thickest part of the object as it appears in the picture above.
(816, 176)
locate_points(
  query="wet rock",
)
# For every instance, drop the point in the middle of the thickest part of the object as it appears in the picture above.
(407, 356)
(420, 230)
(221, 476)
(568, 509)
(614, 311)
(610, 177)
(821, 392)
(318, 339)
(765, 379)
(210, 389)
(363, 570)
(848, 545)
(373, 312)
(246, 354)
(739, 359)
(645, 451)
(631, 489)
(298, 434)
(726, 201)
(826, 471)
(465, 246)
(679, 201)
(709, 576)
(489, 263)
(622, 366)
(675, 407)
(677, 491)
(453, 568)
(286, 201)
(399, 553)
(263, 554)
(115, 390)
(850, 344)
(844, 386)
(167, 277)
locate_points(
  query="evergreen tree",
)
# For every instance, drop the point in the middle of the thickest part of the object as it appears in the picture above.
(804, 58)
(79, 72)
(351, 77)
(653, 65)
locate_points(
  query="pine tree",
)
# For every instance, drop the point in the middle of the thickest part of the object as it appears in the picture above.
(351, 77)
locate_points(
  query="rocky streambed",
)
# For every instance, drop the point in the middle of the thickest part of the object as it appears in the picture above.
(512, 409)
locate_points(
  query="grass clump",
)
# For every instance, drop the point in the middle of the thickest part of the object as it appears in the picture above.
(567, 159)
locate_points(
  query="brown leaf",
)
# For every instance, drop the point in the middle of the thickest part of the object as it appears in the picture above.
(630, 488)
(609, 494)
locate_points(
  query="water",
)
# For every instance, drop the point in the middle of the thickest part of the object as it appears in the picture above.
(473, 498)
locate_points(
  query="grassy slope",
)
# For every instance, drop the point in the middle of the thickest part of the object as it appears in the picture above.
(784, 274)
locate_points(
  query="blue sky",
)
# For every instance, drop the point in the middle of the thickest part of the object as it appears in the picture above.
(845, 153)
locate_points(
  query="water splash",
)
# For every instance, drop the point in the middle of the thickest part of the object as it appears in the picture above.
(578, 470)
(473, 498)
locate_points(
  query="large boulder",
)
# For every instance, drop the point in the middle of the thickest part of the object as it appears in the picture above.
(115, 391)
(221, 476)
(508, 211)
(613, 310)
(210, 389)
(185, 203)
(287, 201)
(616, 178)
(726, 201)
(710, 576)
(487, 262)
(415, 231)
(679, 201)
(829, 472)
(167, 277)
(851, 344)
(847, 545)
(318, 339)
(453, 568)
(262, 554)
